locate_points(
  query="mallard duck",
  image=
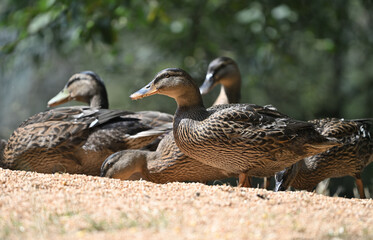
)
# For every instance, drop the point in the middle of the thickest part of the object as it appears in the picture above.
(245, 139)
(166, 164)
(78, 139)
(86, 87)
(350, 158)
(224, 71)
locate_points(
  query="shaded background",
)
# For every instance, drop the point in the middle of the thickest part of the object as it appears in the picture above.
(310, 59)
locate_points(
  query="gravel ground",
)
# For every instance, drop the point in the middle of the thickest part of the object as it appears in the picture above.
(64, 206)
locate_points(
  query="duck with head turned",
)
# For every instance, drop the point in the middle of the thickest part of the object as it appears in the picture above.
(349, 159)
(78, 139)
(245, 139)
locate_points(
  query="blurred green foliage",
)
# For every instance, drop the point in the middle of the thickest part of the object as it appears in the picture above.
(310, 59)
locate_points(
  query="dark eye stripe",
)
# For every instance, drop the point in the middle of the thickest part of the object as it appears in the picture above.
(222, 65)
(80, 76)
(171, 72)
(71, 81)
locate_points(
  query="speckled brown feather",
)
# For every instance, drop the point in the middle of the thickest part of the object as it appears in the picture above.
(348, 159)
(240, 138)
(2, 147)
(167, 164)
(256, 140)
(78, 139)
(77, 142)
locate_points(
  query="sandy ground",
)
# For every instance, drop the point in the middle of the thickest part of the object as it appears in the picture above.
(63, 206)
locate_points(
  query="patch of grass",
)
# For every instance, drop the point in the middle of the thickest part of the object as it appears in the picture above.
(41, 224)
(46, 223)
(339, 233)
(124, 221)
(9, 227)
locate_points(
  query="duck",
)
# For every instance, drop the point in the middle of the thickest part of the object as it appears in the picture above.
(314, 169)
(166, 164)
(89, 88)
(244, 139)
(223, 71)
(349, 159)
(78, 139)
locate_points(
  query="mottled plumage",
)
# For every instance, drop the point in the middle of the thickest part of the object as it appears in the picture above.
(78, 143)
(350, 158)
(78, 139)
(2, 147)
(224, 71)
(166, 164)
(238, 138)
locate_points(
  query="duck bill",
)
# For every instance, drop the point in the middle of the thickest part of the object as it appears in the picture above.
(60, 98)
(208, 84)
(146, 91)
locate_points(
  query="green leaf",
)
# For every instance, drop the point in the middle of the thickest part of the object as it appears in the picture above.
(43, 20)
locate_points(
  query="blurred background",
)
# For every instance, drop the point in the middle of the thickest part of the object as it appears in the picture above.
(310, 59)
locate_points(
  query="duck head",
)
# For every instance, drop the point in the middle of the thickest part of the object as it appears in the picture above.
(84, 87)
(224, 71)
(125, 164)
(175, 83)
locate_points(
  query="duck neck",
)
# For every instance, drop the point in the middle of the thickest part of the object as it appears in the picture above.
(149, 169)
(230, 91)
(189, 99)
(99, 100)
(190, 105)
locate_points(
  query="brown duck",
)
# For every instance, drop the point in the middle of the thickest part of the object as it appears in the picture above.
(166, 164)
(244, 139)
(350, 158)
(78, 139)
(223, 71)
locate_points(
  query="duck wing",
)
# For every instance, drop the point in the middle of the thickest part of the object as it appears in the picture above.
(342, 129)
(250, 121)
(248, 138)
(69, 133)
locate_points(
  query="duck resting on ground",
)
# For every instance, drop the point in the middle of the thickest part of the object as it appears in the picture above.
(78, 139)
(355, 153)
(243, 139)
(166, 164)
